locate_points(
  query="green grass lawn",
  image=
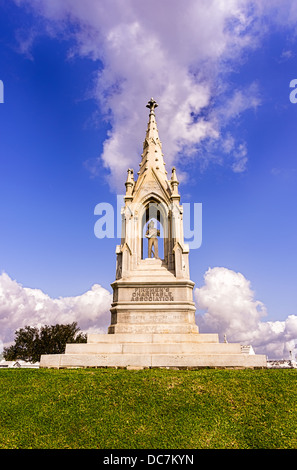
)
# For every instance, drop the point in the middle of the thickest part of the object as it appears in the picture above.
(148, 409)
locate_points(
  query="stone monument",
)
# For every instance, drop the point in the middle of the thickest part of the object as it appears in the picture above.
(153, 313)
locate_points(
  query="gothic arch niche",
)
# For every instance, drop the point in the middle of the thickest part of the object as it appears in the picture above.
(154, 211)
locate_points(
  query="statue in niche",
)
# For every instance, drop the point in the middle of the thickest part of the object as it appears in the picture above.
(151, 234)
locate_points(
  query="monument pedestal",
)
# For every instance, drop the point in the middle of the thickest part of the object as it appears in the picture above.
(152, 300)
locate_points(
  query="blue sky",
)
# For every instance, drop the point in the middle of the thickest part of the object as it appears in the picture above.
(65, 99)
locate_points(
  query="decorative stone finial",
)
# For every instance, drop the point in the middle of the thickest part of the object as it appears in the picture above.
(174, 185)
(173, 175)
(130, 176)
(152, 104)
(129, 184)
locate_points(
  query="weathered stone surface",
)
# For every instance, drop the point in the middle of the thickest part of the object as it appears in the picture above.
(147, 360)
(154, 348)
(153, 338)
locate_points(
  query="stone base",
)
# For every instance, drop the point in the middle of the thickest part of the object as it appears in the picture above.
(153, 350)
(154, 305)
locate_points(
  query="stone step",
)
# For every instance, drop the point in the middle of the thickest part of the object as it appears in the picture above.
(146, 276)
(161, 328)
(150, 267)
(138, 361)
(153, 338)
(151, 262)
(158, 269)
(153, 348)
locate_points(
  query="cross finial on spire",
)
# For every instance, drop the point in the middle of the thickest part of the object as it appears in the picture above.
(152, 104)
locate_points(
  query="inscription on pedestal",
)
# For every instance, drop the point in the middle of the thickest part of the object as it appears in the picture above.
(151, 294)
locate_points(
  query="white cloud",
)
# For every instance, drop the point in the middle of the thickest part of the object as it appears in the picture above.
(240, 101)
(226, 297)
(286, 55)
(177, 52)
(238, 151)
(21, 306)
(240, 158)
(230, 308)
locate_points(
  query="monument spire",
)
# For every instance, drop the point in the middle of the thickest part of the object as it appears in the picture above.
(152, 156)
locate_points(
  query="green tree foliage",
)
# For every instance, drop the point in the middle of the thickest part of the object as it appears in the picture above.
(32, 342)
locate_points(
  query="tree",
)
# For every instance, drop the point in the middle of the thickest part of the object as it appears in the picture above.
(32, 342)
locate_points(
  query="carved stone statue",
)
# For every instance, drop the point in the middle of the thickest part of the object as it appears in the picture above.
(152, 233)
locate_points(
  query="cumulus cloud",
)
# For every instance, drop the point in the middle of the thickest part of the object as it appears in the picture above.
(21, 306)
(226, 298)
(178, 52)
(231, 309)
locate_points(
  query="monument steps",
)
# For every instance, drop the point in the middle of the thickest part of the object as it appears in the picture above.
(139, 351)
(162, 328)
(153, 348)
(151, 267)
(153, 338)
(142, 361)
(148, 350)
(147, 276)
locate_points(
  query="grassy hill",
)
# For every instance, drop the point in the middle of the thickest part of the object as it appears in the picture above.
(148, 409)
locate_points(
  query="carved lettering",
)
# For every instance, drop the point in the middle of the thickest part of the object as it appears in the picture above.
(152, 294)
